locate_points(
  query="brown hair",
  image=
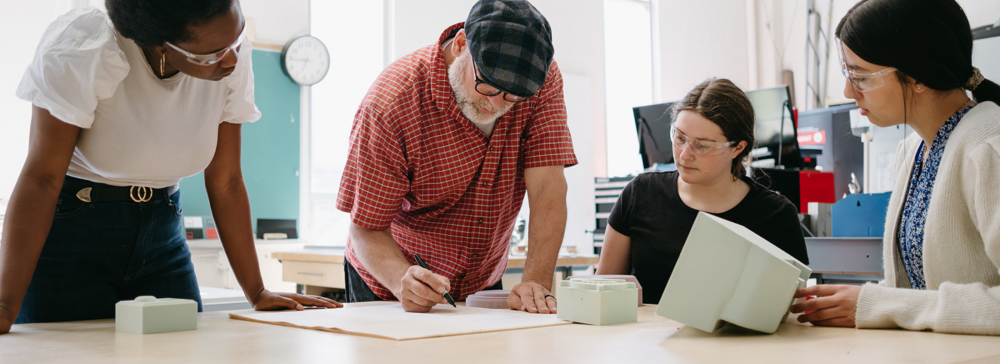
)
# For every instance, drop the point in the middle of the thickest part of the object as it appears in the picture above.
(719, 100)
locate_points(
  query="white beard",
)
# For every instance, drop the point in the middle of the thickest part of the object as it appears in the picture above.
(470, 106)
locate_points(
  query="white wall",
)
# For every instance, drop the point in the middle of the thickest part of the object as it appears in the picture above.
(277, 22)
(779, 26)
(981, 12)
(747, 41)
(698, 40)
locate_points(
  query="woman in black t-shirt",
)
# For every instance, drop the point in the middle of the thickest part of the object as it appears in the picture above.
(712, 134)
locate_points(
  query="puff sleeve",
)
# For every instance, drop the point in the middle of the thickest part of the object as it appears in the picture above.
(240, 106)
(77, 63)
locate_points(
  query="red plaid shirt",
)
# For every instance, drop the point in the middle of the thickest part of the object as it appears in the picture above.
(449, 192)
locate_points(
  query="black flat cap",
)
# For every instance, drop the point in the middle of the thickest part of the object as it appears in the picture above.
(511, 44)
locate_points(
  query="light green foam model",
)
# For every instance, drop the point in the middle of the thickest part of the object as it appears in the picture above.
(149, 315)
(726, 273)
(598, 301)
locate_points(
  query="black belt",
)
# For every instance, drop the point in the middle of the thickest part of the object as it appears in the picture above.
(88, 191)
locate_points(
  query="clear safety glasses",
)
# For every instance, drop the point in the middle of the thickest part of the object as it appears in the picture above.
(863, 81)
(700, 147)
(211, 58)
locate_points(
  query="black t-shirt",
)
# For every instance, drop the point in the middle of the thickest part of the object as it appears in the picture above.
(652, 214)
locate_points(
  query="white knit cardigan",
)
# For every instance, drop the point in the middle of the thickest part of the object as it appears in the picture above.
(961, 248)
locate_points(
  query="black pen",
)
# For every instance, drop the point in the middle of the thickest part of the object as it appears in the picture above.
(424, 266)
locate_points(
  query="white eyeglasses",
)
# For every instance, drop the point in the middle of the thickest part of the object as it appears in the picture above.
(211, 58)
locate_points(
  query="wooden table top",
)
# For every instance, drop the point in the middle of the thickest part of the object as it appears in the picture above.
(220, 339)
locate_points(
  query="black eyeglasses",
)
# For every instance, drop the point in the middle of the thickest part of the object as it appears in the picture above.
(485, 89)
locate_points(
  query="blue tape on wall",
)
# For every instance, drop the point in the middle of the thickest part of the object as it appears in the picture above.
(270, 153)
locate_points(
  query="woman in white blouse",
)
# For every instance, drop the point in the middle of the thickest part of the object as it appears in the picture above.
(125, 104)
(910, 61)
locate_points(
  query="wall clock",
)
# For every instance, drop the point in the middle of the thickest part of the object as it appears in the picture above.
(305, 60)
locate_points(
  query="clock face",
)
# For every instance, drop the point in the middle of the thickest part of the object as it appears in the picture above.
(306, 60)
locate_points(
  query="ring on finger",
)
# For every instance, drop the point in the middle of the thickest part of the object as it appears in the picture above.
(547, 295)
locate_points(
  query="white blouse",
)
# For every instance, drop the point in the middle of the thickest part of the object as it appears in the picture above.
(137, 130)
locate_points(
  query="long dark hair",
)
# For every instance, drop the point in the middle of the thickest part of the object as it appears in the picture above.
(720, 101)
(927, 41)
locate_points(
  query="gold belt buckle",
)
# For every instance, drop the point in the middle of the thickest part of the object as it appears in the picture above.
(140, 193)
(84, 194)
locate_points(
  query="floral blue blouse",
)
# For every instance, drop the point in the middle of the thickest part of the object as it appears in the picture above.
(918, 198)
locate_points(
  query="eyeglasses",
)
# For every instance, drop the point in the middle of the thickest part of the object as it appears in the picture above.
(700, 147)
(211, 58)
(485, 89)
(863, 81)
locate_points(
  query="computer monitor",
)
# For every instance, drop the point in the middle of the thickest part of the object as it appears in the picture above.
(775, 129)
(652, 125)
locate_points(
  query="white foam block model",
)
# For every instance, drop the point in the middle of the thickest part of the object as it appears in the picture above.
(627, 278)
(598, 301)
(726, 273)
(150, 315)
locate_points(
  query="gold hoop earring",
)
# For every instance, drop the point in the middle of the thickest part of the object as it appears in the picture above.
(163, 61)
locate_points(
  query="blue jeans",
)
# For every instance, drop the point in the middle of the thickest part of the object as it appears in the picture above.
(99, 253)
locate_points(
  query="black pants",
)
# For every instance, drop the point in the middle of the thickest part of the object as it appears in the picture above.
(358, 290)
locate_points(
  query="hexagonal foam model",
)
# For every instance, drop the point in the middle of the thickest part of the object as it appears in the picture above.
(727, 273)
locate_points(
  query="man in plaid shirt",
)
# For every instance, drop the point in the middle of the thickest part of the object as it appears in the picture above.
(443, 149)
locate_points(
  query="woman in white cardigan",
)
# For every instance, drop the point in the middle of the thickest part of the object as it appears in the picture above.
(910, 61)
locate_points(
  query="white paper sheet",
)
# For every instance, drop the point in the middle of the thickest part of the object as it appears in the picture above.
(391, 322)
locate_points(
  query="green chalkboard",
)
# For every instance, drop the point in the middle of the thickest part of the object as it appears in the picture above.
(270, 149)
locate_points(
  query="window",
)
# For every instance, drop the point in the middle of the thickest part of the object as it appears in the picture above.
(353, 33)
(20, 33)
(628, 68)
